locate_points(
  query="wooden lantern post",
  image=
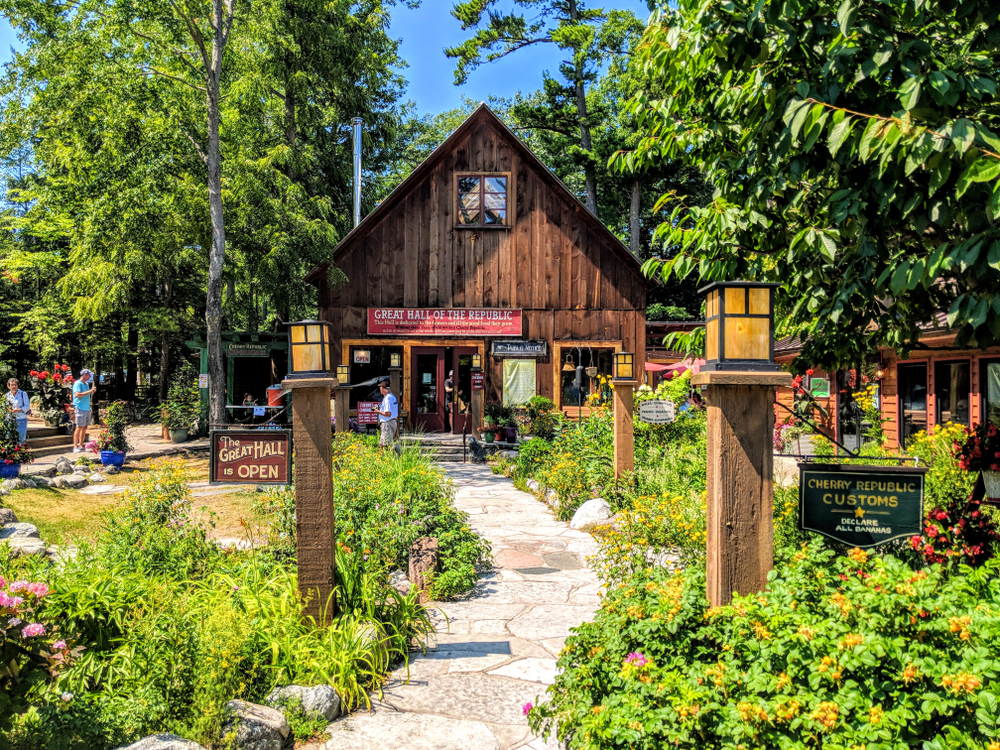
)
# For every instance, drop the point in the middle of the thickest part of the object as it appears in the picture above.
(342, 402)
(315, 531)
(395, 376)
(741, 377)
(623, 382)
(476, 400)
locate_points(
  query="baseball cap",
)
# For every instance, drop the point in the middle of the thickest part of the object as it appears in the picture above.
(86, 372)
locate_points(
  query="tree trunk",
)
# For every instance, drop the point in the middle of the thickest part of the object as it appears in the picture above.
(165, 345)
(633, 220)
(581, 110)
(217, 256)
(131, 360)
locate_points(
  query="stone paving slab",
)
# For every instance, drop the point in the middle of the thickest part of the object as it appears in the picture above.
(496, 648)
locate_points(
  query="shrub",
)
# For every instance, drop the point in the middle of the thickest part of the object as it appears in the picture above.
(116, 420)
(384, 503)
(532, 455)
(839, 652)
(53, 391)
(12, 450)
(946, 482)
(542, 423)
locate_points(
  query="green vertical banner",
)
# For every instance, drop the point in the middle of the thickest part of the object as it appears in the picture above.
(862, 506)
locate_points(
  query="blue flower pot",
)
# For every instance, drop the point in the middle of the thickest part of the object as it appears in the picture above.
(9, 471)
(112, 458)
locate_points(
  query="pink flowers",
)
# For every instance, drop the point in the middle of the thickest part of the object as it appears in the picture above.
(32, 630)
(59, 646)
(636, 659)
(9, 602)
(526, 708)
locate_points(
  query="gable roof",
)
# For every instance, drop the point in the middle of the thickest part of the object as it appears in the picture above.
(482, 114)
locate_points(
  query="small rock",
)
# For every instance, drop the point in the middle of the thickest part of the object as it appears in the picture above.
(42, 482)
(7, 516)
(4, 491)
(75, 481)
(66, 468)
(29, 483)
(111, 470)
(48, 471)
(22, 546)
(14, 484)
(233, 542)
(254, 727)
(532, 484)
(163, 742)
(591, 512)
(58, 483)
(509, 454)
(321, 700)
(19, 529)
(400, 582)
(552, 498)
(97, 478)
(81, 469)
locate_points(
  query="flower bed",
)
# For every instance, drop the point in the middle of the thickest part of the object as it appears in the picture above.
(847, 652)
(169, 627)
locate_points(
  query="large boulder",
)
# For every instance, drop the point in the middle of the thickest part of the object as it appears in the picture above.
(26, 546)
(42, 482)
(163, 742)
(75, 481)
(97, 478)
(400, 582)
(111, 470)
(48, 471)
(591, 513)
(314, 702)
(7, 516)
(17, 483)
(10, 530)
(63, 466)
(248, 726)
(532, 484)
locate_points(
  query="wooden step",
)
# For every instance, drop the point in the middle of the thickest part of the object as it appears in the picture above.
(46, 442)
(43, 432)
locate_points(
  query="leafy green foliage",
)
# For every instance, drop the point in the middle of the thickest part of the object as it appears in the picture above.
(171, 628)
(112, 438)
(855, 159)
(839, 651)
(385, 502)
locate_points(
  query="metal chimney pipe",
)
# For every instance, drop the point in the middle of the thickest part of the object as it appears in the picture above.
(357, 171)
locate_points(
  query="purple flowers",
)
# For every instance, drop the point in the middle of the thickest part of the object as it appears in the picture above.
(9, 602)
(59, 645)
(526, 708)
(636, 659)
(32, 630)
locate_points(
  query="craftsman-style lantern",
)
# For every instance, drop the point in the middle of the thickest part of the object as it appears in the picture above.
(624, 366)
(477, 361)
(739, 326)
(343, 374)
(308, 349)
(395, 359)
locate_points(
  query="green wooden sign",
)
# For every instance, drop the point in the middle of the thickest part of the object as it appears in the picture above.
(247, 349)
(819, 387)
(861, 505)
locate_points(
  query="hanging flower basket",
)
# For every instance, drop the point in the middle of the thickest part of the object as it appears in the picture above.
(992, 481)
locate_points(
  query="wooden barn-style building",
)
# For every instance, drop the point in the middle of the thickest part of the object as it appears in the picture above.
(483, 250)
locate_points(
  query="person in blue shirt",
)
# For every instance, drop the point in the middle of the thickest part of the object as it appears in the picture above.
(388, 416)
(20, 405)
(82, 390)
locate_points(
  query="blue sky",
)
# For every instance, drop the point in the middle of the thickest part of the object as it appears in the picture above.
(425, 32)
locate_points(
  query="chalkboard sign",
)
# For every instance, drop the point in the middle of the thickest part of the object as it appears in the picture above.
(862, 506)
(658, 411)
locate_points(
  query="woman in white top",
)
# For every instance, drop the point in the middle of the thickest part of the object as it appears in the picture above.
(20, 404)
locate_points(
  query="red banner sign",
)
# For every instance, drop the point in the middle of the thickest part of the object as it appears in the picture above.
(477, 381)
(366, 412)
(250, 456)
(436, 321)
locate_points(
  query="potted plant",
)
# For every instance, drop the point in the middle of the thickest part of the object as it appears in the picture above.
(489, 430)
(509, 424)
(54, 391)
(981, 452)
(493, 413)
(112, 442)
(13, 453)
(179, 420)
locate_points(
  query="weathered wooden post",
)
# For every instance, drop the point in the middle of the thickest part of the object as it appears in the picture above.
(342, 402)
(315, 531)
(741, 377)
(623, 381)
(476, 401)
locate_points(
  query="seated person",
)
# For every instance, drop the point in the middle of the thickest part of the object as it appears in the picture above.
(248, 400)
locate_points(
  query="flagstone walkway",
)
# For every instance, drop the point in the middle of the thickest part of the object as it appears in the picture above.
(497, 648)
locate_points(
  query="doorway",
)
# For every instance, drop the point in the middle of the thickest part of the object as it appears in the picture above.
(441, 388)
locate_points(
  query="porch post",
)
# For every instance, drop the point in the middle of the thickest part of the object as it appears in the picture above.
(624, 437)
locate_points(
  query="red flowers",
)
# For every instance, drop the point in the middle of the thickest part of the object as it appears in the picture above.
(809, 372)
(33, 373)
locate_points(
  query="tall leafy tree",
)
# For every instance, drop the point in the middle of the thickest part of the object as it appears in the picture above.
(567, 24)
(854, 152)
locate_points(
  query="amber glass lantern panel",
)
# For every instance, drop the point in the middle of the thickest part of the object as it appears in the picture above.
(624, 366)
(739, 326)
(309, 349)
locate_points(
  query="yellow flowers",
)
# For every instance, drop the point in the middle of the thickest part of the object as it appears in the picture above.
(827, 714)
(910, 674)
(858, 555)
(751, 713)
(851, 640)
(786, 711)
(761, 632)
(875, 714)
(960, 625)
(963, 681)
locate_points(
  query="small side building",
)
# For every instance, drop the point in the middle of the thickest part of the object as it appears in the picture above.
(482, 250)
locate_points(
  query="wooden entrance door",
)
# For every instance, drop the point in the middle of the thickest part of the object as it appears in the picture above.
(427, 388)
(461, 396)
